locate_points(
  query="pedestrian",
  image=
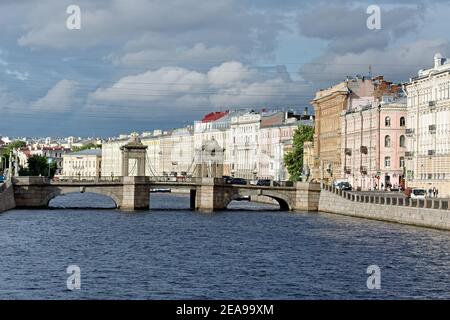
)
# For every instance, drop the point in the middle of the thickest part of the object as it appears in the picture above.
(437, 193)
(434, 192)
(430, 192)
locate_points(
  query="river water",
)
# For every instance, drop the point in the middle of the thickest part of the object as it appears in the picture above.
(249, 252)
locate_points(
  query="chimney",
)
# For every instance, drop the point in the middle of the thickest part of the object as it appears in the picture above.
(438, 60)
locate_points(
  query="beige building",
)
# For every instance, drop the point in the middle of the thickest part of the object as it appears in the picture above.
(86, 163)
(428, 128)
(329, 104)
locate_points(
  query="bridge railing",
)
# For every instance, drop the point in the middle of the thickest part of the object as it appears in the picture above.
(118, 179)
(87, 179)
(180, 179)
(391, 200)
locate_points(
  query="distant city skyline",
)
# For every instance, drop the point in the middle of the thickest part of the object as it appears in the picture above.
(138, 65)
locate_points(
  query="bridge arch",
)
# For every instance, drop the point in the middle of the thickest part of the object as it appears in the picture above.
(283, 201)
(100, 191)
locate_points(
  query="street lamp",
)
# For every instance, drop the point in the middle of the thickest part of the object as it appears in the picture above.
(3, 161)
(49, 161)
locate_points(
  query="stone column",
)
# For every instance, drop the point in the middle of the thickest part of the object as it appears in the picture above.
(212, 195)
(307, 196)
(136, 195)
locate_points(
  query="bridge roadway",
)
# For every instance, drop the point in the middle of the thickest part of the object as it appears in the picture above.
(132, 193)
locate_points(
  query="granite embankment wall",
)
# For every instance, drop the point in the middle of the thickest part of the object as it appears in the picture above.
(424, 213)
(6, 197)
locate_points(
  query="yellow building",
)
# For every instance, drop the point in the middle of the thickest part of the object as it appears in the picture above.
(328, 106)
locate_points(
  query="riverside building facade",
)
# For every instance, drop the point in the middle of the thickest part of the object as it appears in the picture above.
(252, 145)
(428, 128)
(329, 105)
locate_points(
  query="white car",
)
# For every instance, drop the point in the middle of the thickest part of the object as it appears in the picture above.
(418, 193)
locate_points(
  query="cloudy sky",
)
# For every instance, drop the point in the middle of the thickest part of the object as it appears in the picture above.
(146, 64)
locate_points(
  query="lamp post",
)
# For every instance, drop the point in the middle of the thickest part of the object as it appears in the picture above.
(3, 161)
(49, 161)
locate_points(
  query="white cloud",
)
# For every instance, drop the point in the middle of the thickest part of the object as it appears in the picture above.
(396, 63)
(199, 55)
(17, 74)
(60, 98)
(230, 84)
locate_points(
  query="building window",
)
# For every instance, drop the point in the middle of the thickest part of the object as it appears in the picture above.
(402, 122)
(387, 141)
(402, 162)
(402, 141)
(387, 162)
(387, 122)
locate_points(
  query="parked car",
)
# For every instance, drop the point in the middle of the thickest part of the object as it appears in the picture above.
(227, 179)
(240, 181)
(344, 186)
(418, 193)
(339, 181)
(2, 179)
(263, 182)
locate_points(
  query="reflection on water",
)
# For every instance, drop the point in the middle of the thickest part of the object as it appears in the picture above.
(235, 254)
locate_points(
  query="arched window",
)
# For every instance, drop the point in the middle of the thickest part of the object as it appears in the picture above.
(387, 122)
(402, 122)
(387, 141)
(402, 141)
(387, 162)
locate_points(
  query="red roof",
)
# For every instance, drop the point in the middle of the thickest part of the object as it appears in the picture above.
(213, 116)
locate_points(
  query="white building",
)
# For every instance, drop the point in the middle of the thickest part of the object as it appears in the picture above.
(428, 128)
(243, 143)
(275, 138)
(251, 144)
(86, 163)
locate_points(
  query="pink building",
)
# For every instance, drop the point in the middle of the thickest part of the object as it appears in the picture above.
(373, 144)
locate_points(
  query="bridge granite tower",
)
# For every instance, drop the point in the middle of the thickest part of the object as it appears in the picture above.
(135, 187)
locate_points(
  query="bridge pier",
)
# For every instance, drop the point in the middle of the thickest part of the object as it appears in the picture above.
(212, 194)
(307, 196)
(135, 194)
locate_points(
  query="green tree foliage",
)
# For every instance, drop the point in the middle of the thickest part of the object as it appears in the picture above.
(6, 150)
(86, 147)
(38, 166)
(294, 158)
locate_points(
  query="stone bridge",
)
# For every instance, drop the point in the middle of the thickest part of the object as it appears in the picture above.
(132, 193)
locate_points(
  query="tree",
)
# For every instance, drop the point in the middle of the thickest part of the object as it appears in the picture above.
(294, 158)
(38, 166)
(6, 150)
(86, 147)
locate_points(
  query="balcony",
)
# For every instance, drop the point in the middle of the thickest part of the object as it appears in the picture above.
(348, 151)
(431, 152)
(432, 129)
(409, 154)
(363, 150)
(432, 104)
(363, 170)
(410, 132)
